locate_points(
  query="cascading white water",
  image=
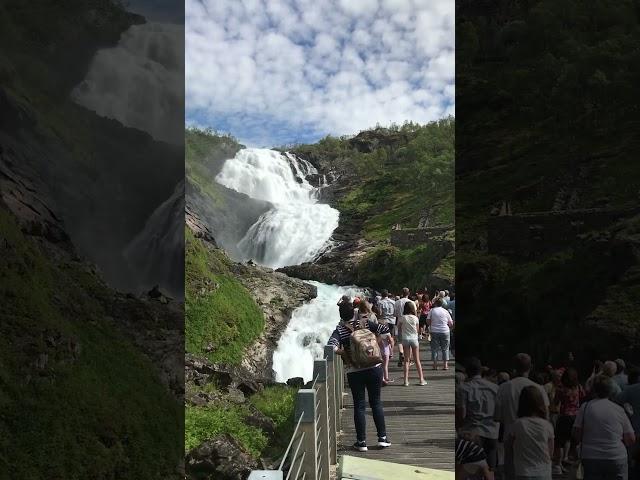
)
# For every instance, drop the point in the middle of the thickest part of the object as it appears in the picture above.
(297, 228)
(140, 82)
(307, 333)
(294, 231)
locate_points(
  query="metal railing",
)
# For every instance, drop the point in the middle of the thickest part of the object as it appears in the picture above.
(313, 447)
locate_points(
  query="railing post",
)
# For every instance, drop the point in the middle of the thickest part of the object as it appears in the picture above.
(330, 356)
(306, 406)
(320, 372)
(266, 475)
(339, 387)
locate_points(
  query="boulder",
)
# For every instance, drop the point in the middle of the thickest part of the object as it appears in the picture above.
(296, 382)
(221, 458)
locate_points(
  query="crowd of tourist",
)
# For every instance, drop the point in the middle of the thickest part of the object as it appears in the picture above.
(392, 322)
(549, 423)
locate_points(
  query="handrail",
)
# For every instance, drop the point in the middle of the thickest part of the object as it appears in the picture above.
(318, 410)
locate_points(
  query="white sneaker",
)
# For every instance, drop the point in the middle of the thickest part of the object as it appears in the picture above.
(406, 384)
(423, 382)
(556, 470)
(384, 442)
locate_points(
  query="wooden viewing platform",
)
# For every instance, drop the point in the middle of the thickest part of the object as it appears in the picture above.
(419, 419)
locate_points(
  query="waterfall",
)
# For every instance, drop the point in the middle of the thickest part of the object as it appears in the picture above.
(307, 333)
(297, 228)
(140, 81)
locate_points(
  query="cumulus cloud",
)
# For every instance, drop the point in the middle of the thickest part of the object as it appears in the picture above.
(278, 71)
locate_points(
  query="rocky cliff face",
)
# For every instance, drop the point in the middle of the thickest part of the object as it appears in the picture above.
(278, 295)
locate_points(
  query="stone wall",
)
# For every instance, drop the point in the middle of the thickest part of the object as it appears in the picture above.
(530, 233)
(414, 237)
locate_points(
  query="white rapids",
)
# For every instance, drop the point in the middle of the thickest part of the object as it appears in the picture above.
(307, 333)
(140, 81)
(297, 228)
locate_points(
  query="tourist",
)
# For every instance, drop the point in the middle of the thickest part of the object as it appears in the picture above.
(530, 437)
(609, 369)
(345, 308)
(597, 370)
(475, 407)
(630, 401)
(399, 311)
(440, 323)
(471, 461)
(604, 431)
(363, 381)
(503, 377)
(568, 398)
(620, 378)
(424, 308)
(364, 312)
(551, 387)
(507, 402)
(408, 331)
(386, 309)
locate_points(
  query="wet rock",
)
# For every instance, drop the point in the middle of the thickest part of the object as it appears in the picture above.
(296, 382)
(221, 458)
(235, 395)
(258, 419)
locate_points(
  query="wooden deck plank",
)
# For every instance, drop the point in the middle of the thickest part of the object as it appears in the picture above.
(419, 419)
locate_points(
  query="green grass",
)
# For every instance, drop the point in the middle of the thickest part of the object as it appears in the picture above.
(74, 405)
(276, 402)
(393, 268)
(225, 316)
(202, 423)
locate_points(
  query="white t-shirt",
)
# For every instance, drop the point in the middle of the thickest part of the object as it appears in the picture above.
(399, 307)
(531, 437)
(409, 327)
(440, 319)
(508, 397)
(388, 310)
(603, 426)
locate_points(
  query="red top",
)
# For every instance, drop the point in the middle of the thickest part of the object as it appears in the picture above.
(569, 399)
(426, 306)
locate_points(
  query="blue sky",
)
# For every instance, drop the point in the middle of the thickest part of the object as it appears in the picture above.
(273, 72)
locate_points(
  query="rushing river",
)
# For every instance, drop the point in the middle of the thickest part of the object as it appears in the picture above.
(295, 230)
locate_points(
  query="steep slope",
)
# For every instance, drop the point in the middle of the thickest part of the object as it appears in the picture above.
(378, 179)
(73, 352)
(559, 134)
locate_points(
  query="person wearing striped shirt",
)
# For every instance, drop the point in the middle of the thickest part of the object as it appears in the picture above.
(361, 381)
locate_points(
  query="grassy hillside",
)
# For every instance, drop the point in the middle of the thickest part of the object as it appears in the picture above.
(221, 321)
(221, 317)
(388, 176)
(548, 119)
(66, 373)
(205, 153)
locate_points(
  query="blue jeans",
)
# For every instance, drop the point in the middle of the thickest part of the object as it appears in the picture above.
(605, 469)
(440, 343)
(371, 381)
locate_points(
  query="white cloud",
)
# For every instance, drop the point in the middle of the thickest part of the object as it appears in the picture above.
(331, 66)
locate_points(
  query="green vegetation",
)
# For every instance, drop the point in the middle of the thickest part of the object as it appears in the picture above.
(276, 402)
(205, 152)
(202, 423)
(395, 268)
(394, 175)
(65, 374)
(221, 317)
(547, 105)
(408, 172)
